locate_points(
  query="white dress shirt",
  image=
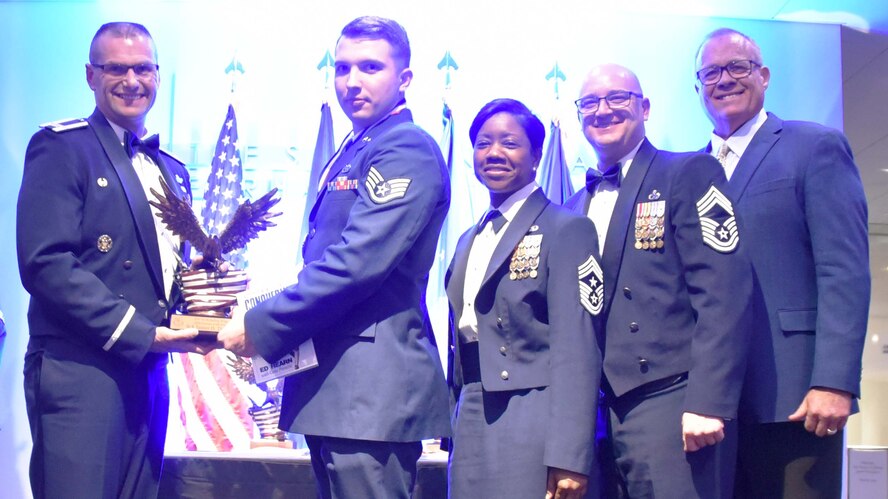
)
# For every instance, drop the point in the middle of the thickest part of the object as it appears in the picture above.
(737, 142)
(480, 254)
(601, 207)
(149, 176)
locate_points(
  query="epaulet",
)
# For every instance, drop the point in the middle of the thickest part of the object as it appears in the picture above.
(171, 156)
(65, 125)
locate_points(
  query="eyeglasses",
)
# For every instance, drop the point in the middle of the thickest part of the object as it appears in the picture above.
(615, 100)
(114, 69)
(737, 69)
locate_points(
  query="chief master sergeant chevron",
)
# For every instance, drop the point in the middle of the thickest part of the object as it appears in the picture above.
(99, 268)
(379, 387)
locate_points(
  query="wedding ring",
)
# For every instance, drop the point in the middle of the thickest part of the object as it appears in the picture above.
(831, 431)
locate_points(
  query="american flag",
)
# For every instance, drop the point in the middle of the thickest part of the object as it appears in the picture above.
(213, 401)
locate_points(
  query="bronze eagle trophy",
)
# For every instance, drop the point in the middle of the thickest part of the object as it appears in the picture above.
(248, 221)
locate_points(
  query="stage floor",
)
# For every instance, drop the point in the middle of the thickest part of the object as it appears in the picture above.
(269, 473)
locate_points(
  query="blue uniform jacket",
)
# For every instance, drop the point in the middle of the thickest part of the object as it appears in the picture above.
(682, 308)
(535, 332)
(79, 187)
(803, 210)
(372, 238)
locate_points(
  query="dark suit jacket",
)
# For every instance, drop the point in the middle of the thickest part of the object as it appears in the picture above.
(679, 309)
(78, 186)
(800, 200)
(372, 238)
(535, 332)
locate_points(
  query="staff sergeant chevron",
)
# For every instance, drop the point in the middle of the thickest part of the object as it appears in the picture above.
(382, 191)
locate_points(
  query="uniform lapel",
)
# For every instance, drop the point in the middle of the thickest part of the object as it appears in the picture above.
(348, 155)
(624, 209)
(752, 158)
(135, 195)
(515, 231)
(456, 278)
(579, 202)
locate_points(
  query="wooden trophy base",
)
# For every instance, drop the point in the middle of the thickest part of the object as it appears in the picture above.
(281, 444)
(208, 327)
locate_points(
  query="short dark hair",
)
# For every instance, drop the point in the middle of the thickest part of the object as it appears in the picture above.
(121, 30)
(380, 28)
(532, 125)
(757, 52)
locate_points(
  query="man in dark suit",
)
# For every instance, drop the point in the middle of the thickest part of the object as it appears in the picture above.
(799, 197)
(100, 271)
(676, 292)
(379, 387)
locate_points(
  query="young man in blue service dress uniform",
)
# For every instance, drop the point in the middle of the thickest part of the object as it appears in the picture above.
(677, 290)
(798, 194)
(379, 387)
(100, 270)
(525, 292)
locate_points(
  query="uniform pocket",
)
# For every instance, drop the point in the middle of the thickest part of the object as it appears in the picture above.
(797, 321)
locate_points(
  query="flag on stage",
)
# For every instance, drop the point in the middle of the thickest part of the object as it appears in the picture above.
(214, 405)
(322, 154)
(460, 217)
(554, 173)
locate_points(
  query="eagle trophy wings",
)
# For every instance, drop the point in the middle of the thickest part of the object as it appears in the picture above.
(248, 221)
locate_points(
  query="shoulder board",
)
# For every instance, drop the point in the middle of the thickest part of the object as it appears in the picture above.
(65, 125)
(174, 158)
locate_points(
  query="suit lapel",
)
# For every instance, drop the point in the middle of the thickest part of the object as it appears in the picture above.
(515, 231)
(752, 158)
(624, 209)
(135, 195)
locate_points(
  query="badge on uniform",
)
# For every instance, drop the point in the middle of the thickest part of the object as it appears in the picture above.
(526, 258)
(342, 184)
(650, 220)
(717, 221)
(104, 243)
(591, 286)
(382, 191)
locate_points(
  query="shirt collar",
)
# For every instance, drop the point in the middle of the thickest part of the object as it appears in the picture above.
(510, 207)
(400, 107)
(625, 161)
(120, 131)
(739, 140)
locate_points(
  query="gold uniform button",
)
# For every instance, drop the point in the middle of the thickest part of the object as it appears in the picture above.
(503, 349)
(633, 327)
(504, 375)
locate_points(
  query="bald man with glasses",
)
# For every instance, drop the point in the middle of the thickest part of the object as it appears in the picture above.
(677, 289)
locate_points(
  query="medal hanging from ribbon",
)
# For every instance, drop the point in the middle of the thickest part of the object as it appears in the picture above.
(526, 258)
(650, 219)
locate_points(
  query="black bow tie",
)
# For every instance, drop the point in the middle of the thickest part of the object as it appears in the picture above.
(149, 146)
(494, 216)
(595, 177)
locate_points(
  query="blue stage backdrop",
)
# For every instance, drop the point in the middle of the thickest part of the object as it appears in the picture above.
(496, 52)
